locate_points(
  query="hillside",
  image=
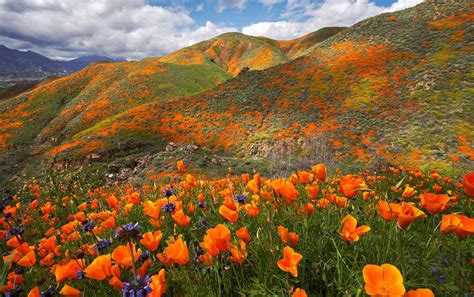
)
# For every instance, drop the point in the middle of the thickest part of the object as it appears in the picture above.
(377, 91)
(393, 88)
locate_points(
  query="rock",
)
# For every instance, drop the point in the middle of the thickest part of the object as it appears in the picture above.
(171, 147)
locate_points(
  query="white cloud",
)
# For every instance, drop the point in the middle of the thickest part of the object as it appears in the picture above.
(305, 16)
(402, 4)
(270, 3)
(224, 4)
(131, 29)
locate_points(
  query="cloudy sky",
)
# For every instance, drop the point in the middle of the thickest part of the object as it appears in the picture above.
(134, 29)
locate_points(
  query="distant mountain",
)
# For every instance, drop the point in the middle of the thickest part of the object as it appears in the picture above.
(21, 65)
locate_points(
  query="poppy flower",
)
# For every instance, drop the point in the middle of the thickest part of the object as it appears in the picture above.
(67, 270)
(151, 240)
(299, 293)
(35, 292)
(284, 188)
(251, 210)
(178, 251)
(323, 203)
(28, 260)
(312, 191)
(243, 234)
(435, 203)
(123, 255)
(419, 293)
(349, 185)
(206, 259)
(228, 214)
(388, 211)
(70, 291)
(468, 184)
(216, 240)
(350, 232)
(238, 252)
(384, 280)
(319, 171)
(407, 214)
(158, 284)
(408, 192)
(290, 261)
(304, 177)
(461, 225)
(180, 165)
(116, 283)
(181, 218)
(100, 268)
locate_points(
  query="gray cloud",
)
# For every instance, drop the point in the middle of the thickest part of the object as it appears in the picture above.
(224, 4)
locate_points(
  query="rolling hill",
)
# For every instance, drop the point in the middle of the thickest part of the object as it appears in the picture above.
(392, 88)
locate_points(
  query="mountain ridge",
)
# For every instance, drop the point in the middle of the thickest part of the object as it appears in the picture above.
(29, 65)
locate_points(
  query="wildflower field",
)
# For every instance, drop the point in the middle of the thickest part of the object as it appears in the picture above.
(391, 232)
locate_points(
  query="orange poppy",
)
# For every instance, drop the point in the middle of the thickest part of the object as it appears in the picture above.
(35, 292)
(461, 225)
(123, 254)
(100, 268)
(323, 203)
(290, 261)
(206, 259)
(388, 211)
(384, 280)
(284, 188)
(299, 293)
(319, 171)
(67, 270)
(468, 184)
(350, 232)
(216, 240)
(251, 210)
(116, 283)
(178, 251)
(70, 291)
(407, 214)
(419, 293)
(312, 191)
(158, 284)
(304, 177)
(349, 185)
(238, 252)
(435, 203)
(243, 234)
(180, 165)
(408, 192)
(28, 260)
(151, 240)
(228, 214)
(181, 218)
